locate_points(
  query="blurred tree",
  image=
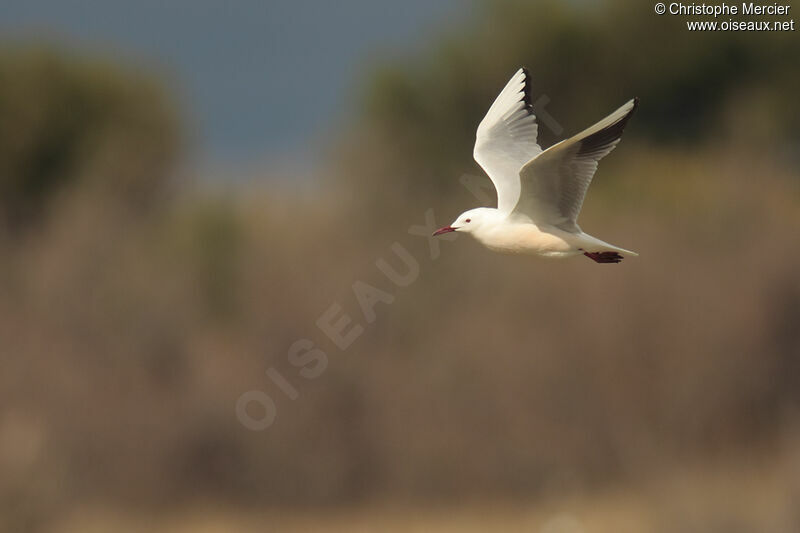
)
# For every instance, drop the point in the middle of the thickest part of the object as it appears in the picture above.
(68, 120)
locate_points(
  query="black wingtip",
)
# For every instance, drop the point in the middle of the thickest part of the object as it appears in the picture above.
(622, 122)
(527, 89)
(630, 113)
(600, 140)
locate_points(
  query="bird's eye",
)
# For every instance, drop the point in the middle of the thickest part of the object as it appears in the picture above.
(468, 220)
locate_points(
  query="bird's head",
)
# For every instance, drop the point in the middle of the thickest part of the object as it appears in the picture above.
(468, 221)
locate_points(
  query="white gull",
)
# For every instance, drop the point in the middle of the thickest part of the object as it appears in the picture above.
(539, 193)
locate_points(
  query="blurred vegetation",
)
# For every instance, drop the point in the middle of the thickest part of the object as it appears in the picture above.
(68, 119)
(141, 308)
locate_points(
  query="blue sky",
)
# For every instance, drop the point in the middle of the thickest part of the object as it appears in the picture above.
(259, 81)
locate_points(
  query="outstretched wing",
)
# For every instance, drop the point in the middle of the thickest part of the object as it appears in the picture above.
(555, 182)
(506, 139)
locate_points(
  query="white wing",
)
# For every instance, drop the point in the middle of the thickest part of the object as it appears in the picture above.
(555, 182)
(506, 139)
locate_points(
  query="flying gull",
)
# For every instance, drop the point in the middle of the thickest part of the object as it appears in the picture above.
(539, 193)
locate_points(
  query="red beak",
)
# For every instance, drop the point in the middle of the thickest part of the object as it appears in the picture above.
(446, 229)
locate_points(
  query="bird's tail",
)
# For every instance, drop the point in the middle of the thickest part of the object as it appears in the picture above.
(604, 252)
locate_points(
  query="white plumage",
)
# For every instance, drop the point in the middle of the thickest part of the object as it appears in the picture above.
(539, 193)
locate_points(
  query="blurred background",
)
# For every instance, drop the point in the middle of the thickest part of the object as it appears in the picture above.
(186, 187)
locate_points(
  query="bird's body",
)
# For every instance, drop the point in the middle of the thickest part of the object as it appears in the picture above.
(519, 235)
(539, 193)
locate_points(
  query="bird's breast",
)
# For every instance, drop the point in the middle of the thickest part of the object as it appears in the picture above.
(525, 239)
